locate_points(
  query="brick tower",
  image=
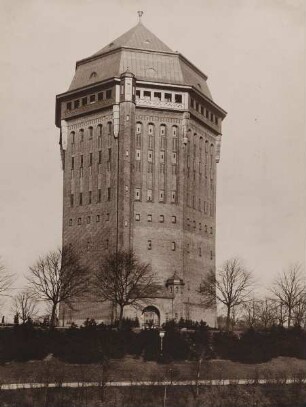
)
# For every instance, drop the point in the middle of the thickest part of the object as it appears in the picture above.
(140, 139)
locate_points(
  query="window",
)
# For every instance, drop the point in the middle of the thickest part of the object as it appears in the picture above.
(188, 222)
(151, 141)
(100, 96)
(72, 163)
(205, 228)
(72, 136)
(137, 93)
(106, 243)
(70, 222)
(89, 197)
(173, 196)
(100, 157)
(173, 246)
(200, 226)
(138, 139)
(211, 230)
(162, 157)
(188, 248)
(138, 127)
(162, 129)
(107, 216)
(194, 224)
(109, 127)
(81, 135)
(138, 166)
(151, 128)
(149, 195)
(162, 168)
(174, 143)
(150, 167)
(173, 219)
(161, 195)
(92, 98)
(149, 218)
(147, 95)
(211, 255)
(161, 218)
(108, 194)
(81, 199)
(99, 195)
(90, 129)
(109, 158)
(76, 104)
(168, 97)
(150, 155)
(149, 244)
(200, 251)
(174, 158)
(68, 106)
(137, 155)
(157, 96)
(108, 94)
(137, 194)
(90, 159)
(88, 219)
(202, 110)
(79, 221)
(174, 169)
(71, 199)
(178, 98)
(84, 101)
(81, 161)
(98, 218)
(137, 216)
(81, 172)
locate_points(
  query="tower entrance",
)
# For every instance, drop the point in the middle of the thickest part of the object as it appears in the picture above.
(151, 317)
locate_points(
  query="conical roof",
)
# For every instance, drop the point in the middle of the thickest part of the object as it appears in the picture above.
(138, 37)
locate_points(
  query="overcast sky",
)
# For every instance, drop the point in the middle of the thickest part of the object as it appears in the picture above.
(252, 51)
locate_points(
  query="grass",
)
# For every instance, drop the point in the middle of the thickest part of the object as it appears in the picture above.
(133, 369)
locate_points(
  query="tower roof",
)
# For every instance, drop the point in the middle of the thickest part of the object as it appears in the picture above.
(138, 37)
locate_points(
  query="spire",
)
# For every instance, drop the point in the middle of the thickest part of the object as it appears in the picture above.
(140, 14)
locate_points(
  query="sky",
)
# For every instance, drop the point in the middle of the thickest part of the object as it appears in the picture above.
(253, 52)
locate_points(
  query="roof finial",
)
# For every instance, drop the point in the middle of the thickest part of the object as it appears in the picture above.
(140, 13)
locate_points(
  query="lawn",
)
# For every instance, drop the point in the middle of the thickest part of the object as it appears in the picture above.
(129, 368)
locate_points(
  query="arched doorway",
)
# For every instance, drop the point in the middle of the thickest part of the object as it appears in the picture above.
(151, 317)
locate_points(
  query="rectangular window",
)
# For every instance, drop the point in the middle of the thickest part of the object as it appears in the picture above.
(173, 246)
(70, 222)
(71, 199)
(149, 244)
(137, 93)
(162, 168)
(138, 128)
(162, 157)
(84, 101)
(98, 218)
(108, 94)
(202, 110)
(200, 226)
(106, 243)
(81, 161)
(137, 194)
(72, 163)
(81, 199)
(161, 218)
(149, 218)
(88, 219)
(149, 195)
(147, 95)
(168, 97)
(174, 169)
(200, 252)
(92, 98)
(137, 156)
(174, 144)
(174, 158)
(173, 219)
(100, 157)
(150, 156)
(161, 195)
(151, 127)
(108, 194)
(90, 159)
(90, 129)
(68, 106)
(178, 98)
(107, 216)
(100, 96)
(173, 196)
(76, 104)
(79, 221)
(157, 96)
(99, 195)
(138, 140)
(137, 216)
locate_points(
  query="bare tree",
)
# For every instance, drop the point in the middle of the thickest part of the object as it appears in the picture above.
(123, 280)
(25, 305)
(231, 286)
(6, 279)
(59, 277)
(289, 289)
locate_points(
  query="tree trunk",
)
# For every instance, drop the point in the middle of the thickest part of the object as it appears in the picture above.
(53, 316)
(120, 317)
(228, 318)
(289, 316)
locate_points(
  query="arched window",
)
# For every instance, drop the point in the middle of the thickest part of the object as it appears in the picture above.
(81, 135)
(90, 130)
(100, 132)
(72, 137)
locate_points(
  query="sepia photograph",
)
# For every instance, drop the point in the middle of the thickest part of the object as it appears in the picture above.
(152, 203)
